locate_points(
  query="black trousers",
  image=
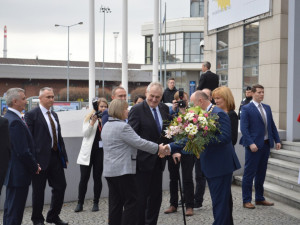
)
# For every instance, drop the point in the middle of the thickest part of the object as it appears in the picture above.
(187, 165)
(96, 162)
(56, 178)
(200, 182)
(14, 205)
(122, 201)
(149, 185)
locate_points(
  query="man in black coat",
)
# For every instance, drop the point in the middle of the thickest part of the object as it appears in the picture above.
(245, 101)
(208, 79)
(51, 155)
(170, 91)
(149, 120)
(4, 149)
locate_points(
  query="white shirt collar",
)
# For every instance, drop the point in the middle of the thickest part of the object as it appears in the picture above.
(44, 110)
(255, 103)
(208, 107)
(15, 111)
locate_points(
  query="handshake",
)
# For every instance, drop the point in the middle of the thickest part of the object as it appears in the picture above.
(163, 150)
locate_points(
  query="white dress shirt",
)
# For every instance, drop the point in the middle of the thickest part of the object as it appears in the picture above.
(44, 111)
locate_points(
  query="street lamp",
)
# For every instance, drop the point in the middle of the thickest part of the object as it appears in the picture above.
(116, 34)
(68, 79)
(103, 10)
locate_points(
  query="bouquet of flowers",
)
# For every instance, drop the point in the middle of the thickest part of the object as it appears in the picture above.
(195, 126)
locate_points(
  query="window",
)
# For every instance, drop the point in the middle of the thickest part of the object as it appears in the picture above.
(192, 51)
(197, 8)
(251, 53)
(222, 57)
(148, 50)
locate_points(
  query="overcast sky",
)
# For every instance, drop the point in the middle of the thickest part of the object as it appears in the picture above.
(31, 31)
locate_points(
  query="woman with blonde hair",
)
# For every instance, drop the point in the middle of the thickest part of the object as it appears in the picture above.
(120, 144)
(224, 100)
(91, 155)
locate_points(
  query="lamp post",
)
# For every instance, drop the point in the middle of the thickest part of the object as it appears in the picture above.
(116, 34)
(103, 10)
(68, 66)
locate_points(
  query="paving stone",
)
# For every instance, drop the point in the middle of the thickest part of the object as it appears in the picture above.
(260, 216)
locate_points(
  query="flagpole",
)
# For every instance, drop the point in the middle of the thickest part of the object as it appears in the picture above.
(160, 44)
(165, 54)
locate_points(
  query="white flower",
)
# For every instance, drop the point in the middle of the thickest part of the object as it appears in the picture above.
(187, 129)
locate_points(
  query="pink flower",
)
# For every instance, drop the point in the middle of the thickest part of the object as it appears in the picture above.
(191, 111)
(206, 114)
(195, 120)
(206, 128)
(179, 119)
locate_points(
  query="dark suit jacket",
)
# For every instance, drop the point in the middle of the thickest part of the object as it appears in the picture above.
(142, 121)
(253, 127)
(219, 157)
(22, 164)
(208, 80)
(43, 142)
(234, 121)
(4, 149)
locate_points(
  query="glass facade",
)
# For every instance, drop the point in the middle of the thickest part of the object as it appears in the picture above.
(179, 48)
(197, 8)
(251, 55)
(222, 57)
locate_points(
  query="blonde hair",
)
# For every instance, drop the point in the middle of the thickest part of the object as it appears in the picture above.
(176, 95)
(116, 108)
(89, 115)
(225, 93)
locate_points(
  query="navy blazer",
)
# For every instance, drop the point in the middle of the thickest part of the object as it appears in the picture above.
(4, 149)
(253, 127)
(143, 123)
(22, 164)
(43, 142)
(219, 157)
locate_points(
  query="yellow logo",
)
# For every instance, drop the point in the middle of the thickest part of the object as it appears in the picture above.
(223, 4)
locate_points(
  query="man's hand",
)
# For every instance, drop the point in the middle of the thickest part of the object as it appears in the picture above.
(253, 148)
(163, 150)
(176, 155)
(39, 169)
(278, 146)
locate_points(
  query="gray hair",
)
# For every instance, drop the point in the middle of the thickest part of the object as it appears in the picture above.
(206, 64)
(157, 84)
(44, 89)
(11, 94)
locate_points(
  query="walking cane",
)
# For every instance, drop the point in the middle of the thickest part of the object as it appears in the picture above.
(182, 204)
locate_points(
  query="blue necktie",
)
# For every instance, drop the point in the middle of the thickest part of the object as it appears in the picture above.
(157, 120)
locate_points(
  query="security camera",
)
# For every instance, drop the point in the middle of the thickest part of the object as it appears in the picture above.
(202, 44)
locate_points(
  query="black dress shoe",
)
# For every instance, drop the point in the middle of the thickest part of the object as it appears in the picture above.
(95, 207)
(78, 208)
(57, 221)
(39, 223)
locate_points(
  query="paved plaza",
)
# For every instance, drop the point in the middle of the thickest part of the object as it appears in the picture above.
(277, 215)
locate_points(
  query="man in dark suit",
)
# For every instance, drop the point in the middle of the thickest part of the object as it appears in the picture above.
(4, 149)
(51, 155)
(208, 79)
(258, 135)
(22, 164)
(117, 93)
(148, 119)
(218, 161)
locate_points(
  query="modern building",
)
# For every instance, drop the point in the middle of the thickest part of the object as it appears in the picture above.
(180, 52)
(246, 43)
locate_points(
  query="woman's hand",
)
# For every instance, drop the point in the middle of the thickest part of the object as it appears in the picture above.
(174, 105)
(93, 120)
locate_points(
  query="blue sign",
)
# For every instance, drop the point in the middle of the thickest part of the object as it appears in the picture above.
(192, 87)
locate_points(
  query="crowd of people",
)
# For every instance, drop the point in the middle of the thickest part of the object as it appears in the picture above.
(129, 149)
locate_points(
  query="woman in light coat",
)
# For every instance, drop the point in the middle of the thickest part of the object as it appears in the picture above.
(91, 156)
(120, 144)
